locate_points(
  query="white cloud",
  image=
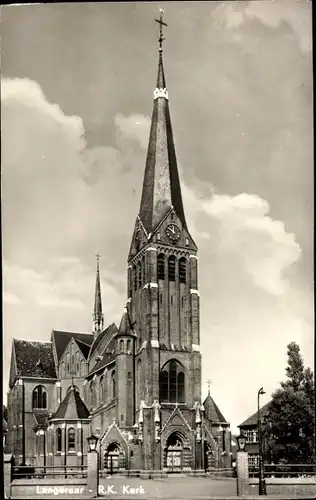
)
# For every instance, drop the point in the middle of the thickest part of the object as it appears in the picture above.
(77, 201)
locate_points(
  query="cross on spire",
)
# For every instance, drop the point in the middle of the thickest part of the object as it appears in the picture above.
(161, 24)
(209, 381)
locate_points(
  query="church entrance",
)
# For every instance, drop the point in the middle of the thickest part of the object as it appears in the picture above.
(113, 458)
(174, 453)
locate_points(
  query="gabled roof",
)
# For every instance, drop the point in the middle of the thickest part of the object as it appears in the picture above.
(108, 332)
(253, 420)
(72, 407)
(212, 412)
(62, 339)
(34, 359)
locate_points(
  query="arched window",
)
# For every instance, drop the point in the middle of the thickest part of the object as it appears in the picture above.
(121, 345)
(58, 440)
(71, 439)
(101, 392)
(62, 369)
(134, 278)
(172, 383)
(128, 346)
(39, 399)
(143, 270)
(92, 395)
(161, 266)
(77, 363)
(105, 386)
(68, 362)
(113, 384)
(82, 368)
(139, 274)
(183, 270)
(172, 268)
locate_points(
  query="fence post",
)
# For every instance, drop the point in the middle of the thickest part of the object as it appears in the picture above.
(7, 474)
(242, 474)
(93, 473)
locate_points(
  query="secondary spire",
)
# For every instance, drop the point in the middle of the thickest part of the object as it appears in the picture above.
(98, 319)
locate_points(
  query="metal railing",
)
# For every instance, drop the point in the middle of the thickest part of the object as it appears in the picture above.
(40, 472)
(284, 470)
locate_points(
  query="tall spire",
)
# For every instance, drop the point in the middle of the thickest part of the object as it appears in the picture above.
(161, 187)
(97, 314)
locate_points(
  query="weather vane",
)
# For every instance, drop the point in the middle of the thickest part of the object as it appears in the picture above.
(161, 24)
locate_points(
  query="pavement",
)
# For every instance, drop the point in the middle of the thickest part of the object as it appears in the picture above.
(193, 488)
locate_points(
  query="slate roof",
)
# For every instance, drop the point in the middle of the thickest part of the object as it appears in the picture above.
(41, 418)
(107, 357)
(109, 331)
(161, 186)
(212, 412)
(34, 359)
(253, 420)
(72, 407)
(62, 339)
(85, 348)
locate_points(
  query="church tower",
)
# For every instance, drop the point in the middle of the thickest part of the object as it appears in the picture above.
(163, 297)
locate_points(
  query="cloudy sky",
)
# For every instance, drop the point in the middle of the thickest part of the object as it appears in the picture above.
(77, 82)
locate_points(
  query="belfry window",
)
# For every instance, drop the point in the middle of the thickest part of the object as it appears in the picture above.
(172, 388)
(121, 345)
(58, 440)
(172, 268)
(39, 399)
(161, 266)
(182, 270)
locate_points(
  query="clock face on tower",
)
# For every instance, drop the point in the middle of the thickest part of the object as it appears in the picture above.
(173, 231)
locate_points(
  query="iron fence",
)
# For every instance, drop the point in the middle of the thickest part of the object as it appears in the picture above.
(285, 470)
(30, 472)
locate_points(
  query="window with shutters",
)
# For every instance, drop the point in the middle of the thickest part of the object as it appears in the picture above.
(161, 267)
(172, 268)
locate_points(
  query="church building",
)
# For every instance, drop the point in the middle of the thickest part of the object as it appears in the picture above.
(136, 385)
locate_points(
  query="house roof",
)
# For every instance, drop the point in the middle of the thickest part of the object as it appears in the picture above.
(72, 407)
(62, 339)
(253, 420)
(85, 348)
(34, 359)
(212, 412)
(108, 331)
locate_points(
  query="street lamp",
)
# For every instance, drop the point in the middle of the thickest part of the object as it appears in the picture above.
(241, 440)
(92, 441)
(262, 483)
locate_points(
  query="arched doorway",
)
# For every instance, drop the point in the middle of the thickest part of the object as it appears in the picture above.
(174, 452)
(113, 458)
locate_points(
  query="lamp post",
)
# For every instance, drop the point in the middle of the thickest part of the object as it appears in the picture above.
(262, 483)
(93, 466)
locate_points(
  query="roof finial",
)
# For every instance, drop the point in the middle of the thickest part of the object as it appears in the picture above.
(209, 381)
(161, 24)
